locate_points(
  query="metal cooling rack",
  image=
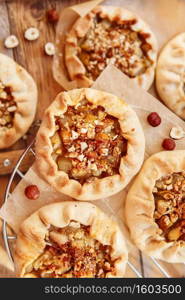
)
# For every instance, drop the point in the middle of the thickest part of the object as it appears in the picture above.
(8, 238)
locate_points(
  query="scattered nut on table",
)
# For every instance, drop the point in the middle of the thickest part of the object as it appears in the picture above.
(177, 133)
(32, 192)
(11, 42)
(154, 119)
(168, 144)
(31, 34)
(52, 15)
(49, 49)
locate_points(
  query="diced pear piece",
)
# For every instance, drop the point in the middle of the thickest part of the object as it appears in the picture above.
(101, 115)
(66, 136)
(64, 164)
(58, 151)
(174, 234)
(8, 118)
(90, 118)
(56, 139)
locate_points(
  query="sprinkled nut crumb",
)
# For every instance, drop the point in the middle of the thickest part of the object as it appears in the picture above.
(12, 108)
(83, 130)
(81, 157)
(71, 149)
(83, 146)
(74, 135)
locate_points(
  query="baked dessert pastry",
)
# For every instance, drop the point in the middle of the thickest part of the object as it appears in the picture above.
(70, 239)
(90, 144)
(157, 222)
(170, 75)
(18, 100)
(110, 35)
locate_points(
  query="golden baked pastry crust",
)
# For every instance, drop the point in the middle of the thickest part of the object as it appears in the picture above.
(18, 100)
(31, 240)
(140, 47)
(170, 75)
(141, 212)
(130, 129)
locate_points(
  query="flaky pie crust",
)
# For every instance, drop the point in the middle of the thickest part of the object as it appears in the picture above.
(130, 129)
(31, 237)
(140, 207)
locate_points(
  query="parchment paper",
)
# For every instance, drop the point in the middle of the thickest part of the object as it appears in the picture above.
(67, 18)
(18, 207)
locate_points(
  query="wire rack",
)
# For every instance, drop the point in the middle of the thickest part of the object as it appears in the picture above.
(9, 238)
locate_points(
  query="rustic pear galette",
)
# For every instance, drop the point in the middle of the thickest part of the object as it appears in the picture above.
(170, 75)
(90, 144)
(155, 207)
(18, 100)
(70, 239)
(110, 35)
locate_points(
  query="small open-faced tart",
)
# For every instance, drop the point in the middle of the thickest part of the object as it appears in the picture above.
(110, 35)
(18, 100)
(70, 239)
(157, 222)
(90, 144)
(170, 75)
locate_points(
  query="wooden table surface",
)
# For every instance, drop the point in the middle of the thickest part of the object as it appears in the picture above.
(15, 17)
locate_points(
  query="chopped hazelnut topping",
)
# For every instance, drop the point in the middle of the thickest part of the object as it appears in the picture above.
(116, 43)
(74, 135)
(71, 149)
(105, 151)
(84, 149)
(169, 195)
(71, 251)
(84, 130)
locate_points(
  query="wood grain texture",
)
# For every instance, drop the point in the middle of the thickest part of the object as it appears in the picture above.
(13, 157)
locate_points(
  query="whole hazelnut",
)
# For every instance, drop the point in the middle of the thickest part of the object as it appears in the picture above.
(168, 144)
(52, 16)
(32, 192)
(154, 119)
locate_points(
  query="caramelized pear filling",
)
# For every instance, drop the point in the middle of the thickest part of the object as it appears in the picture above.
(8, 107)
(88, 143)
(109, 42)
(72, 252)
(169, 195)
